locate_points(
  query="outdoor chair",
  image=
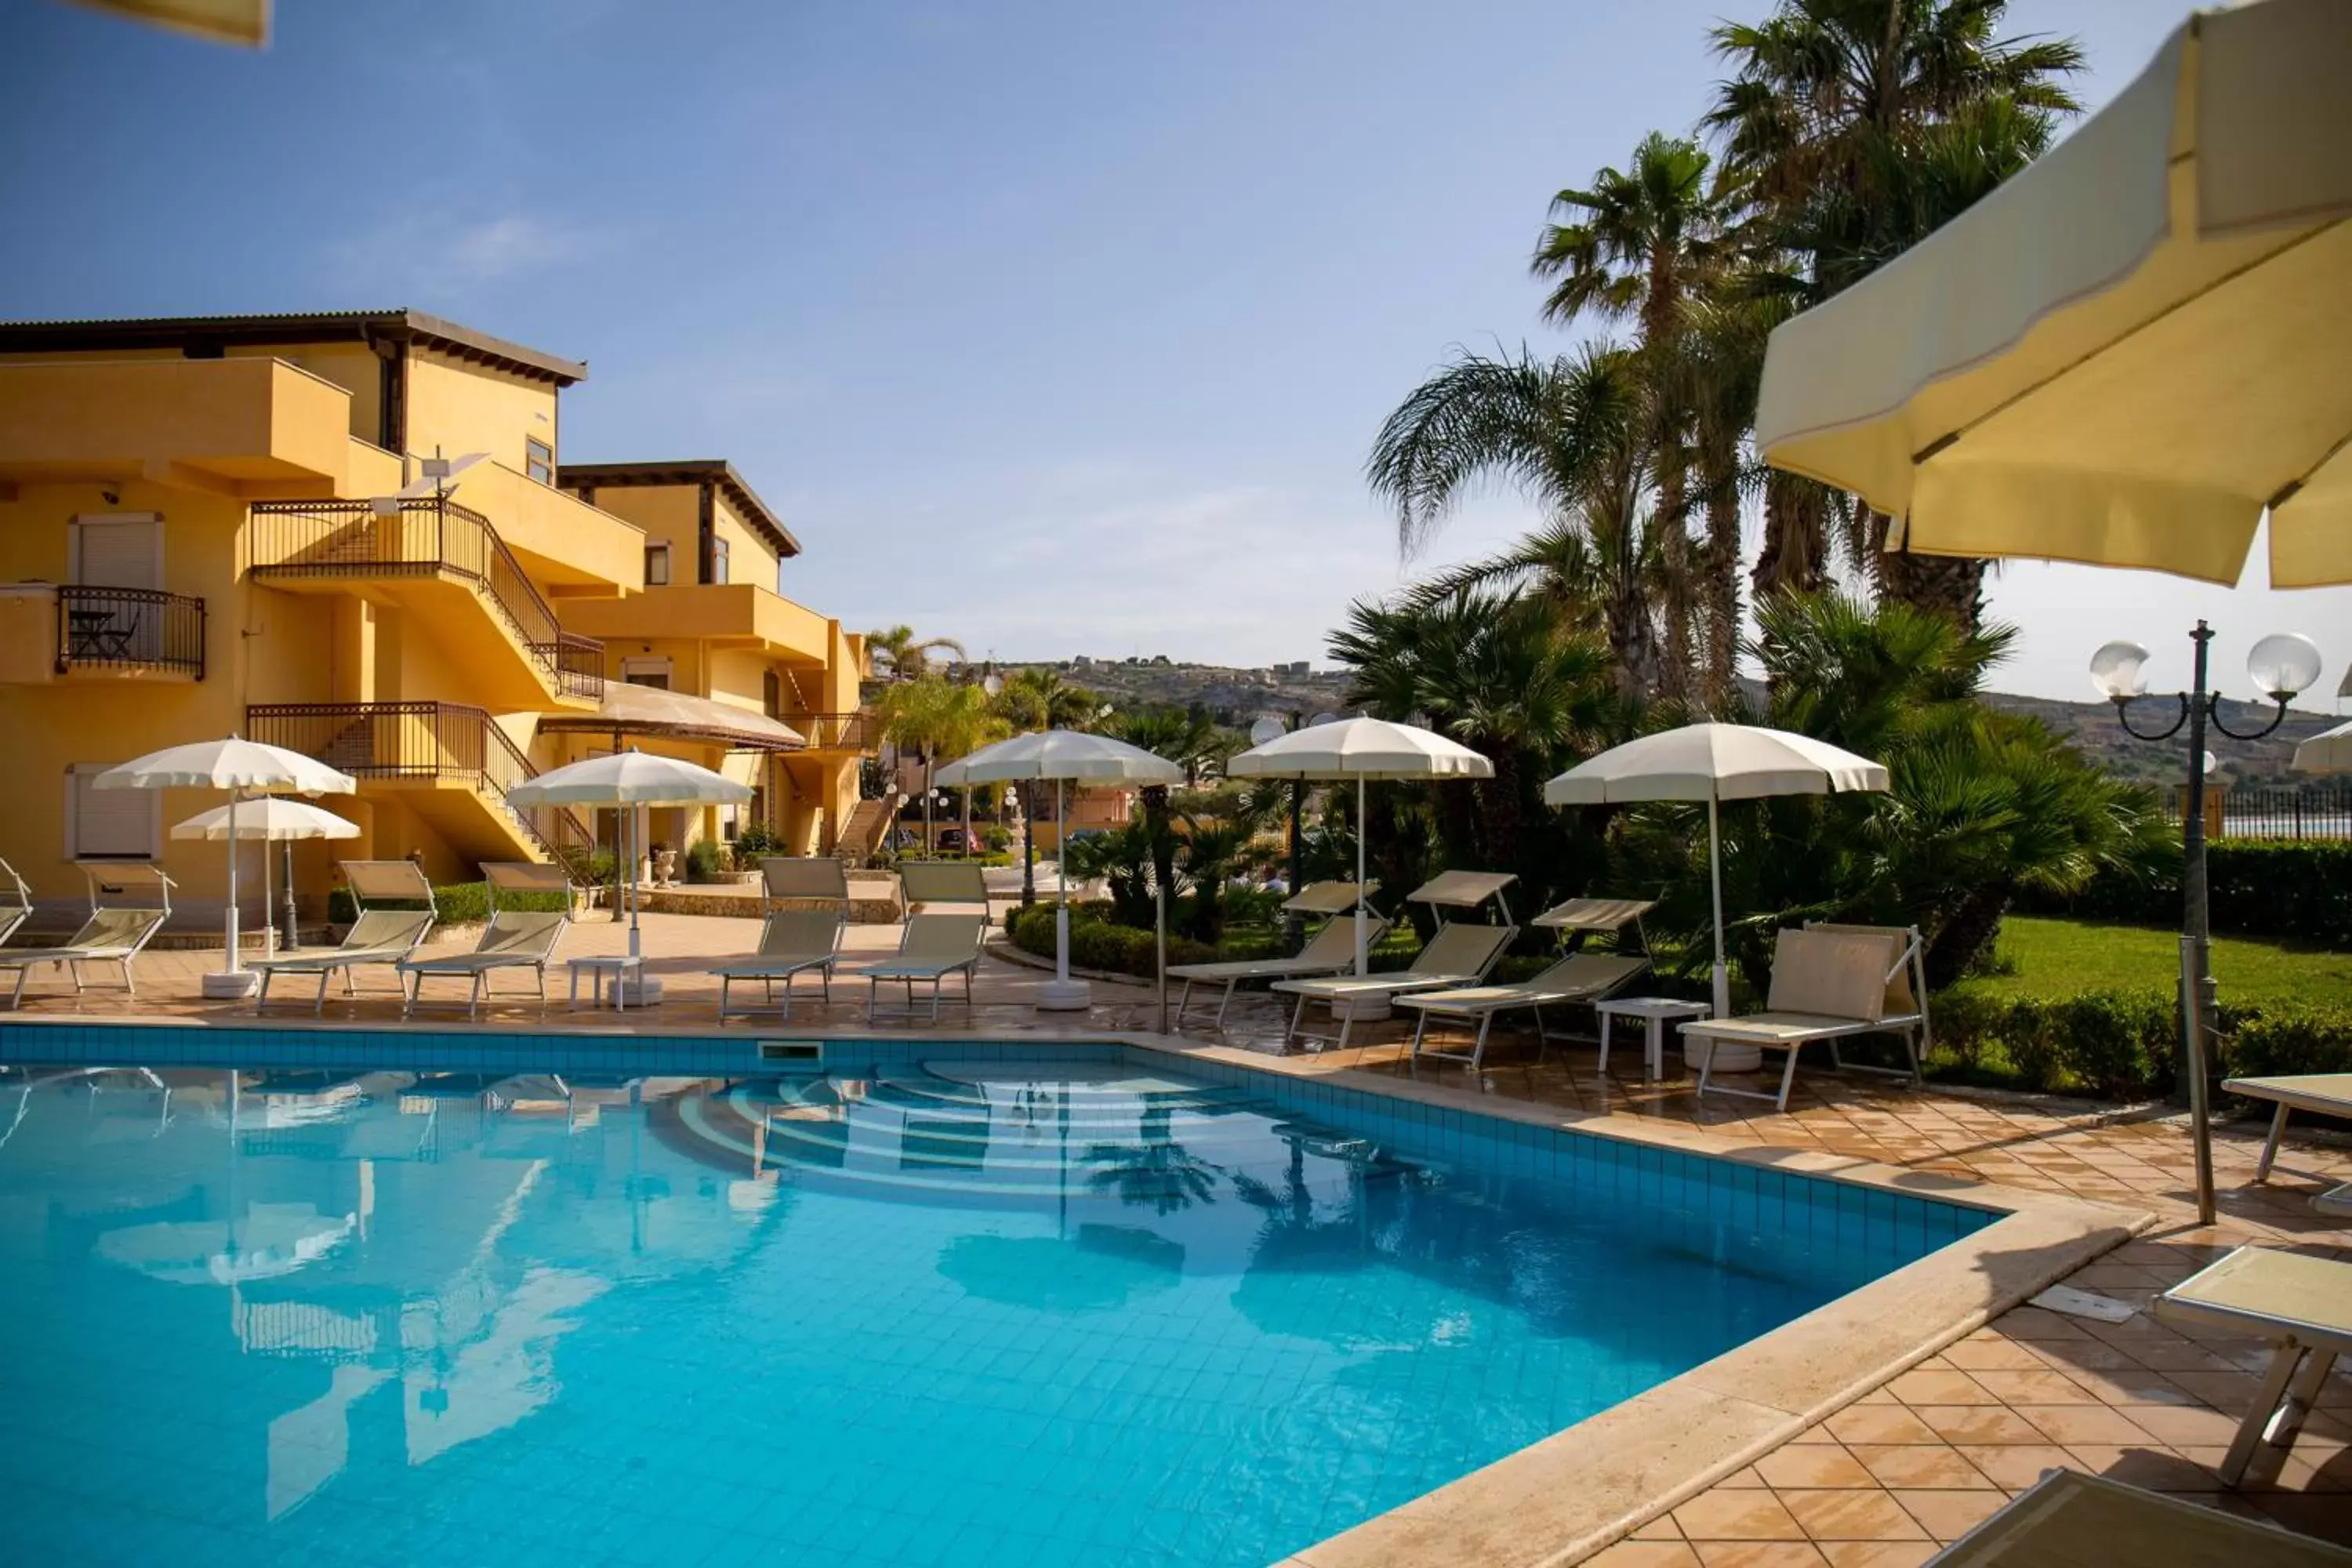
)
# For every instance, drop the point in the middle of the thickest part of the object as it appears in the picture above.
(376, 936)
(930, 947)
(112, 934)
(2314, 1093)
(925, 883)
(1579, 978)
(792, 943)
(1830, 983)
(801, 877)
(514, 939)
(1458, 954)
(1330, 950)
(2303, 1306)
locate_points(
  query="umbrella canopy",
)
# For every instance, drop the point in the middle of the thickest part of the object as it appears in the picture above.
(1063, 756)
(270, 818)
(2329, 752)
(1060, 755)
(2128, 351)
(1715, 763)
(630, 778)
(1362, 750)
(627, 709)
(244, 766)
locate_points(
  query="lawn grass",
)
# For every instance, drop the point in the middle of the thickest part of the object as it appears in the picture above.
(2057, 958)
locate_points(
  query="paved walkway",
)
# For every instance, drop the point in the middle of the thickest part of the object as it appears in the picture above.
(1914, 1463)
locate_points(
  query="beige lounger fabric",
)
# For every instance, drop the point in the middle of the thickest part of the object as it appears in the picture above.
(1828, 982)
(514, 939)
(1459, 954)
(932, 947)
(2069, 1519)
(792, 942)
(1330, 950)
(377, 936)
(110, 935)
(2317, 1093)
(2303, 1305)
(1578, 977)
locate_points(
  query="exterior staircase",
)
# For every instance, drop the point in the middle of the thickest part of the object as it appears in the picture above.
(868, 823)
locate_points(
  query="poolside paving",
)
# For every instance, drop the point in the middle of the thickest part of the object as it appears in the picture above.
(1882, 1482)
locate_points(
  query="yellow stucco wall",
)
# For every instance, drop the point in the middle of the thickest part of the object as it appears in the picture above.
(466, 409)
(667, 514)
(750, 557)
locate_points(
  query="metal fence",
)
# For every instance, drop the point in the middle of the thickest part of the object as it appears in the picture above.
(2272, 811)
(424, 536)
(130, 629)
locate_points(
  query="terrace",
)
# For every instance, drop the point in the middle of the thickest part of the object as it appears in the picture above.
(1880, 1475)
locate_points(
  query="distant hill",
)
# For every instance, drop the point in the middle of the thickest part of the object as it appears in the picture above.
(1235, 696)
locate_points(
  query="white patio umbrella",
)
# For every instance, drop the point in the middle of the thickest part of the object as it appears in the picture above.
(273, 821)
(631, 779)
(1715, 763)
(2329, 752)
(243, 768)
(1362, 750)
(1063, 756)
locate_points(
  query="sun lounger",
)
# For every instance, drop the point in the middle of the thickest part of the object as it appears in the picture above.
(2069, 1519)
(792, 942)
(932, 947)
(20, 909)
(2303, 1305)
(377, 935)
(2314, 1093)
(926, 883)
(514, 939)
(804, 878)
(114, 934)
(1330, 950)
(1580, 977)
(1830, 983)
(1458, 954)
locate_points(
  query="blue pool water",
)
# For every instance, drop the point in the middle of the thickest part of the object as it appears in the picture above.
(937, 1309)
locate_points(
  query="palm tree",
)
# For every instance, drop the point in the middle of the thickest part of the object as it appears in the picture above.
(934, 716)
(1188, 738)
(1576, 436)
(1852, 128)
(967, 720)
(1640, 242)
(894, 653)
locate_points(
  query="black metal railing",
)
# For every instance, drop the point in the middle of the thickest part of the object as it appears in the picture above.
(856, 732)
(2272, 811)
(422, 740)
(424, 537)
(130, 629)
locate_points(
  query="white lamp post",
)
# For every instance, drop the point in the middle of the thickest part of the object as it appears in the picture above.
(2280, 666)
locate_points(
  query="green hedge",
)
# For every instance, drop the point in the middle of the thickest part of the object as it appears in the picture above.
(2122, 1045)
(1096, 943)
(455, 903)
(2299, 891)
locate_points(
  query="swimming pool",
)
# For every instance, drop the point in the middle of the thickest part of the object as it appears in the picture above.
(903, 1303)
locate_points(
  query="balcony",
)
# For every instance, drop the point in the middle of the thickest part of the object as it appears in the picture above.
(423, 541)
(726, 615)
(52, 631)
(242, 427)
(433, 749)
(858, 731)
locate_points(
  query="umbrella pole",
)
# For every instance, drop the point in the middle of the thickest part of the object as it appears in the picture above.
(1715, 875)
(1363, 923)
(1062, 882)
(234, 967)
(269, 914)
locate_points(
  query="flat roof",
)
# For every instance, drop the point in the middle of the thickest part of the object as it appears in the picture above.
(399, 325)
(716, 471)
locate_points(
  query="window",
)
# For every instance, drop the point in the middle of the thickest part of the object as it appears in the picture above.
(654, 672)
(657, 565)
(109, 824)
(538, 459)
(117, 549)
(717, 559)
(772, 694)
(779, 579)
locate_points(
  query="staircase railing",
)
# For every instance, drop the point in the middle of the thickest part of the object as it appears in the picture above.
(423, 536)
(424, 740)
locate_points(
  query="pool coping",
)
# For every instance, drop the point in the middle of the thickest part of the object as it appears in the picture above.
(1588, 1484)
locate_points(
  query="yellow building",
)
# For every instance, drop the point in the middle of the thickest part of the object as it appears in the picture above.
(230, 523)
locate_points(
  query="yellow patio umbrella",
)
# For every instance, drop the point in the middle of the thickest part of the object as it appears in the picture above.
(2128, 352)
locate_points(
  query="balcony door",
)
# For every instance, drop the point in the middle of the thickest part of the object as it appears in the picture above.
(108, 552)
(117, 549)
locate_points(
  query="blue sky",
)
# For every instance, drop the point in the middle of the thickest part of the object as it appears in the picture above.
(1058, 327)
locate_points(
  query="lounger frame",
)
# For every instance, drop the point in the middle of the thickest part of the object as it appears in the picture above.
(1911, 1027)
(911, 971)
(1535, 1000)
(510, 877)
(71, 956)
(1296, 967)
(385, 882)
(769, 969)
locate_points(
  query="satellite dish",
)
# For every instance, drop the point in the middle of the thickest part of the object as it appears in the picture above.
(1266, 730)
(437, 477)
(1322, 719)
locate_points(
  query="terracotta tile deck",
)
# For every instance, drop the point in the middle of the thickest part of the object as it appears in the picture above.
(1881, 1482)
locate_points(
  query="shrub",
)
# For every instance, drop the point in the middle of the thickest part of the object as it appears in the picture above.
(1096, 943)
(754, 840)
(2299, 891)
(454, 903)
(2122, 1045)
(706, 860)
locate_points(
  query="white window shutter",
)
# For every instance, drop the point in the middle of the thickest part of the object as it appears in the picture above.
(108, 823)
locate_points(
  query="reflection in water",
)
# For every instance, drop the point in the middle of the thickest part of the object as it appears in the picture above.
(449, 1317)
